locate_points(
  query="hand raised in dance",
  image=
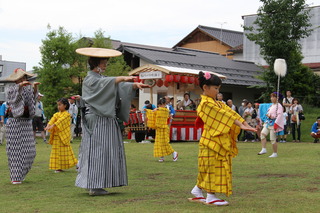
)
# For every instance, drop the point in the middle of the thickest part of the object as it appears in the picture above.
(24, 83)
(137, 85)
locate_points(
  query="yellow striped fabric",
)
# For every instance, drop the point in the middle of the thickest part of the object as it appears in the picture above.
(162, 146)
(62, 156)
(217, 146)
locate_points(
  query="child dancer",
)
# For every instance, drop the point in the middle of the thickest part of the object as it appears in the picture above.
(158, 119)
(62, 156)
(217, 145)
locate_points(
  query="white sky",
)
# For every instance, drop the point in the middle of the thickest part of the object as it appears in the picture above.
(23, 24)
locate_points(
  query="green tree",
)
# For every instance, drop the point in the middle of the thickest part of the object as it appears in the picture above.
(279, 27)
(62, 70)
(55, 70)
(116, 66)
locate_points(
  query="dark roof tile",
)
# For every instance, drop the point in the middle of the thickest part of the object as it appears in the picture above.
(237, 72)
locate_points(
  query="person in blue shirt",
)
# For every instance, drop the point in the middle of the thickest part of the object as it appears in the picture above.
(148, 105)
(3, 121)
(170, 108)
(315, 130)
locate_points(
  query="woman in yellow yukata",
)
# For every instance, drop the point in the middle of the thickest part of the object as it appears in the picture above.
(217, 146)
(62, 156)
(158, 120)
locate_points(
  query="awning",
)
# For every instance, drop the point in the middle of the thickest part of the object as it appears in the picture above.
(171, 70)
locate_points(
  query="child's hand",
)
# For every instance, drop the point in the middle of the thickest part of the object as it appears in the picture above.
(245, 126)
(48, 127)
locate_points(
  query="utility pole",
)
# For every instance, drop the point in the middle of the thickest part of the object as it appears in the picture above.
(221, 24)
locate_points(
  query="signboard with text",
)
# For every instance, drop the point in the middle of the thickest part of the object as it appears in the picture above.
(150, 75)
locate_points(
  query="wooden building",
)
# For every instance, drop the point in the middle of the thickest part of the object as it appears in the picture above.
(212, 39)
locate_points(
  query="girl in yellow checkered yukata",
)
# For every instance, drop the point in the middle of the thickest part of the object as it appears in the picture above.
(217, 146)
(62, 156)
(158, 119)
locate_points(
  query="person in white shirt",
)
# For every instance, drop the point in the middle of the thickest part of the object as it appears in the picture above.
(220, 98)
(39, 117)
(231, 105)
(73, 110)
(186, 103)
(247, 115)
(287, 103)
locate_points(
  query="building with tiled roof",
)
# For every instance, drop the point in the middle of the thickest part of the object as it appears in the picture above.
(239, 75)
(212, 39)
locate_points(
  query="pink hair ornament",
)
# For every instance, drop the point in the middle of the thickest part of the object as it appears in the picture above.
(207, 75)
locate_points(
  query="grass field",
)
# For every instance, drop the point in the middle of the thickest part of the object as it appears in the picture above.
(289, 183)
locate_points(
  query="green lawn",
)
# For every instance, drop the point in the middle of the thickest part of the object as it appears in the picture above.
(289, 183)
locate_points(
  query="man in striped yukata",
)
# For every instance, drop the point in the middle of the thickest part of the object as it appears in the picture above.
(102, 162)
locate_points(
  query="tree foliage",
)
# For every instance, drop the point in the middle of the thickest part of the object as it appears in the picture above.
(62, 70)
(55, 70)
(116, 66)
(279, 27)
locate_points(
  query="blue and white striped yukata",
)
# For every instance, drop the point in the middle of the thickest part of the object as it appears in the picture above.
(102, 161)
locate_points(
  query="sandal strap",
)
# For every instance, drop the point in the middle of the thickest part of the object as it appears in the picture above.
(215, 201)
(198, 198)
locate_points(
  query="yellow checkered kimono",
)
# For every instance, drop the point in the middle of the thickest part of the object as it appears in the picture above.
(217, 146)
(159, 120)
(62, 156)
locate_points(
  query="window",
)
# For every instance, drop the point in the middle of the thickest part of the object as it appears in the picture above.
(1, 87)
(1, 70)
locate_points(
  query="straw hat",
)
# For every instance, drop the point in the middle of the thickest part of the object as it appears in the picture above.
(17, 74)
(98, 52)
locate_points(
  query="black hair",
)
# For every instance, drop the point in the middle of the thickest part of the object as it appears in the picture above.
(318, 118)
(147, 102)
(186, 94)
(149, 106)
(212, 81)
(94, 62)
(65, 102)
(162, 101)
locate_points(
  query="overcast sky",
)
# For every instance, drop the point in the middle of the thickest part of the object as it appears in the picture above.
(23, 24)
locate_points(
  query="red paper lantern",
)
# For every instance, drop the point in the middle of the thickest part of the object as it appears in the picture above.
(169, 78)
(196, 81)
(136, 79)
(176, 78)
(191, 80)
(166, 83)
(159, 83)
(184, 79)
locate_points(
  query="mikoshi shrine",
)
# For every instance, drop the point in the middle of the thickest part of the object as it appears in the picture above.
(173, 82)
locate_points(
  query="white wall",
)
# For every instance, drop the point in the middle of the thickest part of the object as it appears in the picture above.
(310, 45)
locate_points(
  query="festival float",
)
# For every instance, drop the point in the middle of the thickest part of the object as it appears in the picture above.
(175, 81)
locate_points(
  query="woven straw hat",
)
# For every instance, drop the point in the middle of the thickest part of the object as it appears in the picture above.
(98, 52)
(17, 74)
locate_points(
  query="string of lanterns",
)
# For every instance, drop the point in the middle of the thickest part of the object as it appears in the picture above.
(173, 78)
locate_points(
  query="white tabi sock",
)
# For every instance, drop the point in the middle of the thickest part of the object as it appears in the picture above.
(197, 192)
